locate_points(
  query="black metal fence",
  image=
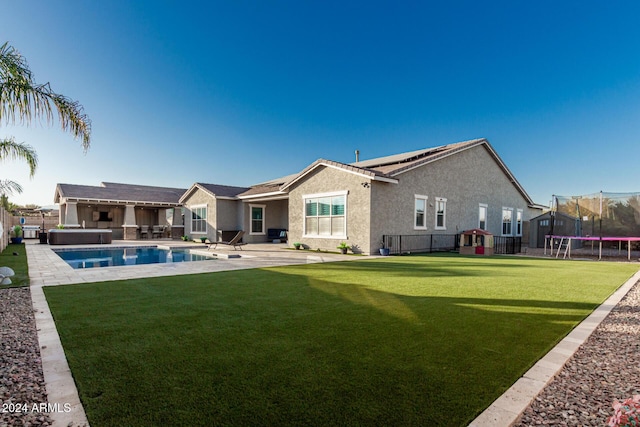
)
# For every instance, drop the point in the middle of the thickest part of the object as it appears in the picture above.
(507, 245)
(403, 244)
(407, 243)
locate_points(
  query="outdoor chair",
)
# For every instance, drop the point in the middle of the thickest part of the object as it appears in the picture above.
(235, 242)
(158, 231)
(144, 231)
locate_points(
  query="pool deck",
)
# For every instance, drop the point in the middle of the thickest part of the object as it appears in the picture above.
(46, 268)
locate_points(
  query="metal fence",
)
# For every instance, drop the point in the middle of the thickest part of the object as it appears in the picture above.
(507, 245)
(408, 243)
(403, 244)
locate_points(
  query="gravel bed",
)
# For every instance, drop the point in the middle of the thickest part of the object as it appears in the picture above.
(605, 367)
(21, 379)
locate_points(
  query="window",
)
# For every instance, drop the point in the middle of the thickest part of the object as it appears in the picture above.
(257, 219)
(420, 211)
(325, 215)
(507, 219)
(441, 211)
(199, 219)
(482, 216)
(519, 222)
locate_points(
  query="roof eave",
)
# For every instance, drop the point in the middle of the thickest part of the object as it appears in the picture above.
(119, 202)
(270, 194)
(347, 168)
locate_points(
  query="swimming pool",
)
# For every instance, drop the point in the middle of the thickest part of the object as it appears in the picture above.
(96, 258)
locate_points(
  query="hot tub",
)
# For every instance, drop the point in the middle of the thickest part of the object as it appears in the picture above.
(80, 236)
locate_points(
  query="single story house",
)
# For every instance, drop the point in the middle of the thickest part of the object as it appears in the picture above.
(441, 190)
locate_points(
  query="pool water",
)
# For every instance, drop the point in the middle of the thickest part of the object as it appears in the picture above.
(95, 258)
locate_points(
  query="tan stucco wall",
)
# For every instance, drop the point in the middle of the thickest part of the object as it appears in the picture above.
(228, 214)
(196, 199)
(465, 179)
(358, 202)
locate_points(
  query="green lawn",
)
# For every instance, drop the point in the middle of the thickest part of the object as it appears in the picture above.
(18, 263)
(415, 340)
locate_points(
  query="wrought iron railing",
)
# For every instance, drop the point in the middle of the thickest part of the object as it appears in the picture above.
(408, 243)
(414, 243)
(507, 245)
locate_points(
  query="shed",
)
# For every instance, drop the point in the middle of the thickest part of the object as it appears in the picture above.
(476, 242)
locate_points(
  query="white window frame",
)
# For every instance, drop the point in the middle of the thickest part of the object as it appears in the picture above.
(205, 218)
(264, 220)
(510, 233)
(519, 216)
(482, 206)
(425, 199)
(305, 197)
(444, 213)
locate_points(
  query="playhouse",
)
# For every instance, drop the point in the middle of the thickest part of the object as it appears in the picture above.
(476, 242)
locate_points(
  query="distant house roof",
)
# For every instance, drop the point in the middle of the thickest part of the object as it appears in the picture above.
(216, 190)
(110, 192)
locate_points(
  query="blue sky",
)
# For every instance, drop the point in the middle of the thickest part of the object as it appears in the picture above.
(243, 92)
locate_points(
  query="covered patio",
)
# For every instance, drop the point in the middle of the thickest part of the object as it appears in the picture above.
(131, 212)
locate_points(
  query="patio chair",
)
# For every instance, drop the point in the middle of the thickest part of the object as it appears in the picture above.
(158, 231)
(144, 231)
(235, 242)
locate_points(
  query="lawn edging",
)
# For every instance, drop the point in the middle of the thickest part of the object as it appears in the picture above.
(505, 410)
(62, 394)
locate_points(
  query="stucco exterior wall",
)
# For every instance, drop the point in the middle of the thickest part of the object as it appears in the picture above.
(465, 180)
(358, 203)
(228, 214)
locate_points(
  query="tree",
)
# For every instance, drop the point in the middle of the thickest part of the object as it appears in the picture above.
(23, 100)
(11, 150)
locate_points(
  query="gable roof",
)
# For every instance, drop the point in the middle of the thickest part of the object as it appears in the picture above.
(216, 190)
(362, 171)
(110, 192)
(403, 162)
(389, 168)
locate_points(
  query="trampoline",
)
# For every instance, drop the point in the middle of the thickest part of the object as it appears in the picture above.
(565, 242)
(597, 217)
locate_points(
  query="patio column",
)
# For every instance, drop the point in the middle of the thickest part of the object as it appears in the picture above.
(129, 227)
(71, 215)
(177, 225)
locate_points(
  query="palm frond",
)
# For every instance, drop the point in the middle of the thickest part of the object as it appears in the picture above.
(13, 65)
(9, 187)
(22, 100)
(12, 150)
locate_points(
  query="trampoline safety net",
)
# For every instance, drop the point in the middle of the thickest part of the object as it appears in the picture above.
(602, 214)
